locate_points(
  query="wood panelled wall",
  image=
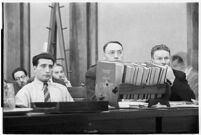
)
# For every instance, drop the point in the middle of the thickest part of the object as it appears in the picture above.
(16, 45)
(83, 40)
(192, 34)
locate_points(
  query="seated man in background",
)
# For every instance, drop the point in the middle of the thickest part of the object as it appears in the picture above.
(20, 76)
(178, 63)
(41, 89)
(180, 90)
(113, 51)
(58, 73)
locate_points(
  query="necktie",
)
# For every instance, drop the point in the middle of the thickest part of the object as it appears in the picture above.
(46, 93)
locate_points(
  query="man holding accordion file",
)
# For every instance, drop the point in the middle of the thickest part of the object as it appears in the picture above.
(142, 76)
(180, 90)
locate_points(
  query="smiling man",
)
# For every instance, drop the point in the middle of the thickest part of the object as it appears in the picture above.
(180, 90)
(42, 89)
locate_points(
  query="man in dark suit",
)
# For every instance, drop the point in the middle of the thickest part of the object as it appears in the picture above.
(179, 63)
(113, 51)
(180, 90)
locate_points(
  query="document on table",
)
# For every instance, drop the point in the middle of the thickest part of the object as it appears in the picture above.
(133, 104)
(143, 104)
(182, 104)
(177, 104)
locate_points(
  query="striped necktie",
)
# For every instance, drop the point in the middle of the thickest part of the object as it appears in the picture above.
(46, 93)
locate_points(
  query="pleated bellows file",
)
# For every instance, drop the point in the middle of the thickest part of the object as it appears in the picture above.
(108, 76)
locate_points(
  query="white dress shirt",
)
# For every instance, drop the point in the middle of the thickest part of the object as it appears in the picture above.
(33, 92)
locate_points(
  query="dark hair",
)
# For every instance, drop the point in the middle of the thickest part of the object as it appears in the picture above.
(178, 58)
(18, 69)
(159, 47)
(42, 56)
(116, 42)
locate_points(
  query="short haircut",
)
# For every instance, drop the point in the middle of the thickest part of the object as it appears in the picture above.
(18, 69)
(178, 58)
(159, 47)
(115, 42)
(42, 56)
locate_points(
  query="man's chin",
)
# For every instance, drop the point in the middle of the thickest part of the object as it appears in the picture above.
(46, 79)
(117, 61)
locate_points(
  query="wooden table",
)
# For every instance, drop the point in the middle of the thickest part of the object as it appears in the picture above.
(172, 120)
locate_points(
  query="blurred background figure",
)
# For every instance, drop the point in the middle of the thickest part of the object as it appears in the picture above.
(180, 89)
(179, 62)
(20, 77)
(58, 73)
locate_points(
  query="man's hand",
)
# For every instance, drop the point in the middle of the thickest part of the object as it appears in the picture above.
(170, 75)
(66, 81)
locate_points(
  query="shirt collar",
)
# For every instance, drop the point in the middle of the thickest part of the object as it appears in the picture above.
(40, 83)
(50, 80)
(36, 80)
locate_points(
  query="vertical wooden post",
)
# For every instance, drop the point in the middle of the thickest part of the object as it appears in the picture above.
(83, 39)
(16, 46)
(92, 25)
(192, 34)
(25, 42)
(52, 37)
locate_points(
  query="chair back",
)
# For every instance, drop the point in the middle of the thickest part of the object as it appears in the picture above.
(78, 93)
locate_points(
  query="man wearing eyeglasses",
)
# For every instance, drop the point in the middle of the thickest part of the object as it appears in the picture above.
(113, 51)
(20, 76)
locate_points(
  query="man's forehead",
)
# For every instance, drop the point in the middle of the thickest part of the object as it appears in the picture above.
(18, 73)
(161, 53)
(58, 68)
(113, 46)
(45, 61)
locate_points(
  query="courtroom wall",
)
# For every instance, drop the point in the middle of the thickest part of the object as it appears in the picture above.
(139, 26)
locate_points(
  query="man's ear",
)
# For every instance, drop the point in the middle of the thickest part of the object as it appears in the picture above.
(34, 68)
(152, 60)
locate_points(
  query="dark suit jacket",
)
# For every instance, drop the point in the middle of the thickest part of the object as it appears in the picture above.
(90, 82)
(58, 81)
(180, 90)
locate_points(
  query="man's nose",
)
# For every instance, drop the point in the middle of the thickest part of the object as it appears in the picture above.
(116, 56)
(60, 75)
(47, 69)
(163, 61)
(21, 79)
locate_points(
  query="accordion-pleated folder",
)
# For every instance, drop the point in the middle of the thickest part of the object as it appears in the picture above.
(108, 77)
(116, 81)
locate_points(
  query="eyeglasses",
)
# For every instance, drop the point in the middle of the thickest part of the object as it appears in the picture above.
(112, 52)
(20, 77)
